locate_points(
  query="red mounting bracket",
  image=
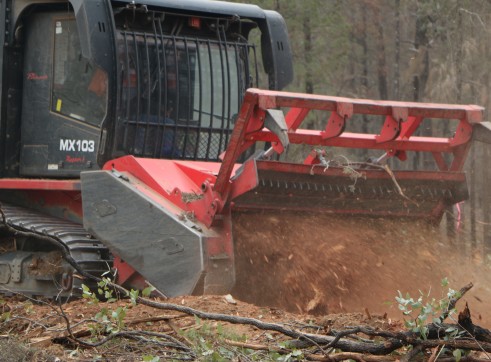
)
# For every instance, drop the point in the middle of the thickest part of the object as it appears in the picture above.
(392, 125)
(337, 120)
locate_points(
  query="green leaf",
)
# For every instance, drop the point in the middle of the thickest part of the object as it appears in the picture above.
(5, 317)
(150, 358)
(148, 290)
(134, 296)
(297, 353)
(457, 354)
(424, 332)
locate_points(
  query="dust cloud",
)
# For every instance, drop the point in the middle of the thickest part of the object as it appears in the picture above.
(328, 264)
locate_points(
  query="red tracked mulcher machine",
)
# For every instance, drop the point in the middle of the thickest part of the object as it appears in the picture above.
(126, 134)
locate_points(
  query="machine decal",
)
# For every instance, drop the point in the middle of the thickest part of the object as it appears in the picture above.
(77, 145)
(71, 159)
(35, 76)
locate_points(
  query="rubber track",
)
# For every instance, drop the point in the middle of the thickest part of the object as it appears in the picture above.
(89, 253)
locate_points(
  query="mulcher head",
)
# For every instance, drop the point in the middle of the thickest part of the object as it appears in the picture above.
(336, 184)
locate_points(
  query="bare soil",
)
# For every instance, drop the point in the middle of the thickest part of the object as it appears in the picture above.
(36, 332)
(326, 272)
(323, 264)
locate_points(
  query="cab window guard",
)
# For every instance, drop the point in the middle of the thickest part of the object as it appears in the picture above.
(180, 95)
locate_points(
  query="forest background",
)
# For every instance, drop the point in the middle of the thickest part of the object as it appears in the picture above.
(410, 50)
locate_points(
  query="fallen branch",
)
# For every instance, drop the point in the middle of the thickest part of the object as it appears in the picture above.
(309, 356)
(387, 169)
(453, 301)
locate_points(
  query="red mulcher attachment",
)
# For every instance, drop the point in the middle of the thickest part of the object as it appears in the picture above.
(169, 222)
(320, 184)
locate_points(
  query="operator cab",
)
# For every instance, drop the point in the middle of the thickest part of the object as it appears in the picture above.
(103, 79)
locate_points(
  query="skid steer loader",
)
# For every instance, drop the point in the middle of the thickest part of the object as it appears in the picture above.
(128, 133)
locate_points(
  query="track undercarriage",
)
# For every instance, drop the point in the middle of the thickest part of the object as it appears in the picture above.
(34, 249)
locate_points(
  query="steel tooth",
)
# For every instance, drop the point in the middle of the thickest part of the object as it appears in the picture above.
(330, 188)
(300, 185)
(278, 184)
(271, 183)
(323, 188)
(308, 186)
(263, 182)
(286, 185)
(315, 187)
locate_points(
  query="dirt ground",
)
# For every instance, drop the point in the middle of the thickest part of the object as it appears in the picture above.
(41, 334)
(333, 264)
(324, 272)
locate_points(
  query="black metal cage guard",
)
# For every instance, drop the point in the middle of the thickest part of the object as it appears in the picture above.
(180, 95)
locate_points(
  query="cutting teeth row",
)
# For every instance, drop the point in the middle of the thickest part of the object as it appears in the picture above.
(375, 191)
(309, 186)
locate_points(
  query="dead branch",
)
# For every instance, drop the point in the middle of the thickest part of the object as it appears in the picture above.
(387, 169)
(256, 347)
(408, 357)
(156, 319)
(309, 356)
(454, 300)
(344, 356)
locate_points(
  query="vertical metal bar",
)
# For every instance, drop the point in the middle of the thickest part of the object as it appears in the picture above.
(149, 89)
(229, 93)
(138, 95)
(160, 122)
(239, 73)
(255, 67)
(212, 99)
(247, 74)
(188, 117)
(222, 126)
(166, 83)
(200, 80)
(128, 89)
(176, 65)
